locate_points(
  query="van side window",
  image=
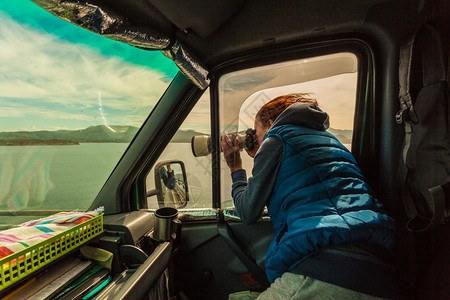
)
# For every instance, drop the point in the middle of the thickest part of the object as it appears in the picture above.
(198, 169)
(330, 79)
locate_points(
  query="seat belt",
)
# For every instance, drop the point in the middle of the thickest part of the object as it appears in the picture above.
(236, 245)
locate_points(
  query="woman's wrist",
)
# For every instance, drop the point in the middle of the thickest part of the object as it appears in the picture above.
(232, 169)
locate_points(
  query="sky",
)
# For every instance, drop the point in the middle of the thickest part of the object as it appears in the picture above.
(54, 75)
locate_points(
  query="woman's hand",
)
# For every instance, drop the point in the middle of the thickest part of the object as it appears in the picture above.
(230, 148)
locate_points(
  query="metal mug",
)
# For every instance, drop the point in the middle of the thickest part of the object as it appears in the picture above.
(165, 223)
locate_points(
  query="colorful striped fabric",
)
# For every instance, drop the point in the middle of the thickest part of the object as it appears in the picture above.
(66, 217)
(32, 232)
(18, 238)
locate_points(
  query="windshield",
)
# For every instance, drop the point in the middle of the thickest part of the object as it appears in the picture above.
(70, 103)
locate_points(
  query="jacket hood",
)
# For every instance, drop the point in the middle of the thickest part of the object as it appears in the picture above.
(305, 115)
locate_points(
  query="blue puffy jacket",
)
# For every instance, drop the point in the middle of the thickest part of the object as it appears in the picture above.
(320, 199)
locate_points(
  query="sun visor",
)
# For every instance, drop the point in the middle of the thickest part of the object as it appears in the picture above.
(105, 22)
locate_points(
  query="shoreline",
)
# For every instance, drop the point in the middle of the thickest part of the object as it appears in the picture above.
(37, 143)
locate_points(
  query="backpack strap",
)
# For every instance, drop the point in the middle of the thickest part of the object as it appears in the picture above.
(405, 115)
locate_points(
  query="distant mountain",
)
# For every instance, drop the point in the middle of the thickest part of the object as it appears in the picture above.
(343, 135)
(185, 136)
(36, 143)
(92, 134)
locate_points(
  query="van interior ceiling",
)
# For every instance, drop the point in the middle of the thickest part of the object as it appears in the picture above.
(156, 241)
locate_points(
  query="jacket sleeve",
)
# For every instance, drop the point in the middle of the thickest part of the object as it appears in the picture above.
(251, 197)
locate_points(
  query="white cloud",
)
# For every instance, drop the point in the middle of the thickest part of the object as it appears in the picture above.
(42, 68)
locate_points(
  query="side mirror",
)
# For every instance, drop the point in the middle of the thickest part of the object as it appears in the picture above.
(171, 184)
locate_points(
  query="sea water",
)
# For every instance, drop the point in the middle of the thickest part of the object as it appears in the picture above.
(55, 177)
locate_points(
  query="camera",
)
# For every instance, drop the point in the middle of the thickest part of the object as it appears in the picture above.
(201, 144)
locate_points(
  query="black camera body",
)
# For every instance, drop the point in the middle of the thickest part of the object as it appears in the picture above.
(250, 139)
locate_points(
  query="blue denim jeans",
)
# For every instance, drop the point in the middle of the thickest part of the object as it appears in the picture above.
(293, 286)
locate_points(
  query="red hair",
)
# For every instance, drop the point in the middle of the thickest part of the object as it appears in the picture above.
(272, 109)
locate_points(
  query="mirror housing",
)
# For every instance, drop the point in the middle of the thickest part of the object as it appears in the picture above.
(171, 184)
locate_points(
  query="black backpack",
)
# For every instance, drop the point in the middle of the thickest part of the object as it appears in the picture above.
(425, 164)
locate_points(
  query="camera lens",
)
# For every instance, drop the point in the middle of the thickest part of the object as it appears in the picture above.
(201, 144)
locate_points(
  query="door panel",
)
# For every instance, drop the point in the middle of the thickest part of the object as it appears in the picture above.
(205, 265)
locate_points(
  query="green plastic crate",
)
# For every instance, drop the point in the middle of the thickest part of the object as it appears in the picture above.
(25, 262)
